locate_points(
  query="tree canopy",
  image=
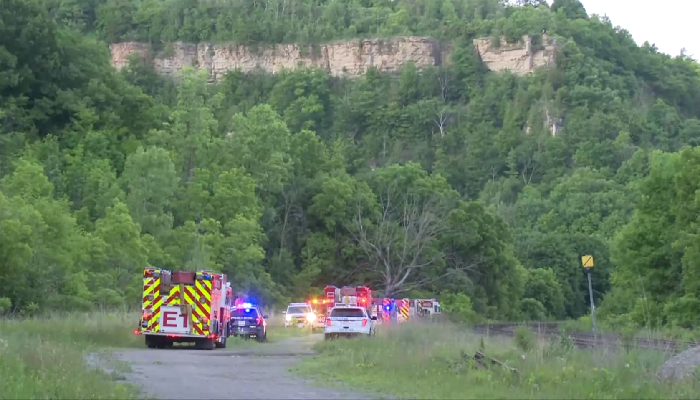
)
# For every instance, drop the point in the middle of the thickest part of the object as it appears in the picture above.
(292, 181)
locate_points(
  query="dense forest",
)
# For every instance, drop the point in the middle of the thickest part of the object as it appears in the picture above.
(482, 188)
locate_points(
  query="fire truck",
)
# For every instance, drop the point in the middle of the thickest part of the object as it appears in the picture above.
(347, 295)
(185, 307)
(425, 307)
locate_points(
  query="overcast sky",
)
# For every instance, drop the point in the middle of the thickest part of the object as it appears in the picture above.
(670, 24)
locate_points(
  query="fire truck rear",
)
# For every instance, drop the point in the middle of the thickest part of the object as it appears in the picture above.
(351, 296)
(185, 306)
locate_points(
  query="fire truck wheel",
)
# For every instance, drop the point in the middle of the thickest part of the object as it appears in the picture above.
(150, 342)
(222, 344)
(206, 344)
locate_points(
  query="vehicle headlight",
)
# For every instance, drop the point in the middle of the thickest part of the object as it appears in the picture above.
(288, 317)
(311, 317)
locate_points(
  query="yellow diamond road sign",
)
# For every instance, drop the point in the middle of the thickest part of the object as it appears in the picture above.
(587, 261)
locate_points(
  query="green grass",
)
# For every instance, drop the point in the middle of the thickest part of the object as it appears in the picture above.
(276, 330)
(415, 360)
(46, 357)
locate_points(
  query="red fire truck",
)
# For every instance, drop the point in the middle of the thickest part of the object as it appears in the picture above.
(185, 306)
(348, 295)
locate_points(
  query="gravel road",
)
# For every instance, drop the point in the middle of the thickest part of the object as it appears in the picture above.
(258, 372)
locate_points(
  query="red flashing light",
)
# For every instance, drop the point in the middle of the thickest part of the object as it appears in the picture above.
(137, 332)
(363, 300)
(364, 322)
(148, 273)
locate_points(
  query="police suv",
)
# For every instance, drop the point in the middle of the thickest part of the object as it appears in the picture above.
(348, 321)
(248, 321)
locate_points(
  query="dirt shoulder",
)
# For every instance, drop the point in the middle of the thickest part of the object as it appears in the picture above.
(259, 371)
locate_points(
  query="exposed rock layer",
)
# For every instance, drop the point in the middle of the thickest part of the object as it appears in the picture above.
(350, 58)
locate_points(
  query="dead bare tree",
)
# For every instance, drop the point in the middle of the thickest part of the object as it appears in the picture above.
(441, 118)
(401, 241)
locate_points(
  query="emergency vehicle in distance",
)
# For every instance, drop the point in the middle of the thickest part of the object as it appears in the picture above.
(359, 296)
(247, 320)
(318, 307)
(185, 307)
(299, 314)
(425, 307)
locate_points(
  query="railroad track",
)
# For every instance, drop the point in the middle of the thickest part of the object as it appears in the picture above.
(587, 340)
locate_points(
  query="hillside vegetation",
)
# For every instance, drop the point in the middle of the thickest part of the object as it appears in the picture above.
(482, 188)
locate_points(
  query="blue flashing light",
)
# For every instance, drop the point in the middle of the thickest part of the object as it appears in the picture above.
(247, 306)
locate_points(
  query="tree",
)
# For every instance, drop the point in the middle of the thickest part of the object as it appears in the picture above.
(150, 180)
(402, 241)
(400, 233)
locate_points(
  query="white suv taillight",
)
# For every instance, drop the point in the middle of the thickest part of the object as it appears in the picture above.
(328, 321)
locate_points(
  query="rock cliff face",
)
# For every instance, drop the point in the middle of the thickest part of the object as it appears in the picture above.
(350, 58)
(520, 58)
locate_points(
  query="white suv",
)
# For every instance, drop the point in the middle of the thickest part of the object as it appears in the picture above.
(348, 321)
(299, 314)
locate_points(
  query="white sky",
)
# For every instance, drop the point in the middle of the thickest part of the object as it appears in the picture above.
(669, 24)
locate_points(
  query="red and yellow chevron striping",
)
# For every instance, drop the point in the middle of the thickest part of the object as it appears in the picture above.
(198, 296)
(404, 309)
(202, 303)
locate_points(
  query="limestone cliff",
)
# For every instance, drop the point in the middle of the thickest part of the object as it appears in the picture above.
(350, 58)
(520, 58)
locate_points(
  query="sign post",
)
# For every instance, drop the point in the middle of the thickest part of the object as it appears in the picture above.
(588, 264)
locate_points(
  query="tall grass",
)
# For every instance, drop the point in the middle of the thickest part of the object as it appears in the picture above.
(414, 360)
(46, 357)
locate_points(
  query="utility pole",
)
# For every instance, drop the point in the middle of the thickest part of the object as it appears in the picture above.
(588, 264)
